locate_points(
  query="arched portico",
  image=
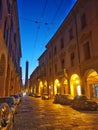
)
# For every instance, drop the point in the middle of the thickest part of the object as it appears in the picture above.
(75, 86)
(65, 86)
(42, 87)
(91, 83)
(57, 89)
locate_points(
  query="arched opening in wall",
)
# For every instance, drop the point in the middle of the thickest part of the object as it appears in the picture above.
(2, 74)
(75, 85)
(57, 88)
(92, 84)
(45, 87)
(65, 89)
(7, 91)
(34, 89)
(51, 89)
(40, 88)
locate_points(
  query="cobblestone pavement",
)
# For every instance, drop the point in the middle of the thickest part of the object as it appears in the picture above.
(37, 114)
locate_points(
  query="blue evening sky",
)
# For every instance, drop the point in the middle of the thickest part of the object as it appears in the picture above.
(38, 21)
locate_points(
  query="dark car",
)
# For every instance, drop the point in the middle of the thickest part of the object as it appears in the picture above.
(66, 99)
(6, 117)
(81, 102)
(36, 95)
(45, 96)
(57, 98)
(17, 98)
(11, 102)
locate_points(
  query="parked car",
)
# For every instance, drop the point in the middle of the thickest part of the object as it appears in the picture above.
(45, 96)
(83, 103)
(11, 102)
(36, 95)
(6, 117)
(57, 98)
(17, 98)
(66, 99)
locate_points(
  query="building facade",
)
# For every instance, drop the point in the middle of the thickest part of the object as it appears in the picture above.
(71, 55)
(10, 48)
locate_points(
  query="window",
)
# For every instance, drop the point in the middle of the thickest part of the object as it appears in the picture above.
(72, 57)
(83, 21)
(11, 23)
(62, 43)
(55, 67)
(55, 50)
(6, 33)
(5, 30)
(49, 55)
(62, 64)
(86, 51)
(71, 34)
(8, 6)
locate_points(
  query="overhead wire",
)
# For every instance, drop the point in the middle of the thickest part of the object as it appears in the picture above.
(57, 10)
(55, 15)
(34, 21)
(39, 26)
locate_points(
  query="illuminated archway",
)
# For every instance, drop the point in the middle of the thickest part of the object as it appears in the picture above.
(92, 84)
(57, 87)
(75, 85)
(40, 90)
(45, 88)
(65, 87)
(34, 89)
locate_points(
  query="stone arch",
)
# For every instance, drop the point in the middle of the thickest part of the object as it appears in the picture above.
(57, 89)
(45, 87)
(91, 83)
(64, 86)
(75, 85)
(7, 91)
(40, 87)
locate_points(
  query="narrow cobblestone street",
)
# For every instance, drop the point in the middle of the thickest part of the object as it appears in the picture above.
(37, 114)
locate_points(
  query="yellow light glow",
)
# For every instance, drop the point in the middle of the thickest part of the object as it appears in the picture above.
(72, 90)
(57, 83)
(65, 81)
(45, 83)
(55, 90)
(75, 85)
(41, 84)
(79, 90)
(49, 87)
(77, 81)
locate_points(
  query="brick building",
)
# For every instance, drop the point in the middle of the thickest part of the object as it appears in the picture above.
(70, 62)
(10, 48)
